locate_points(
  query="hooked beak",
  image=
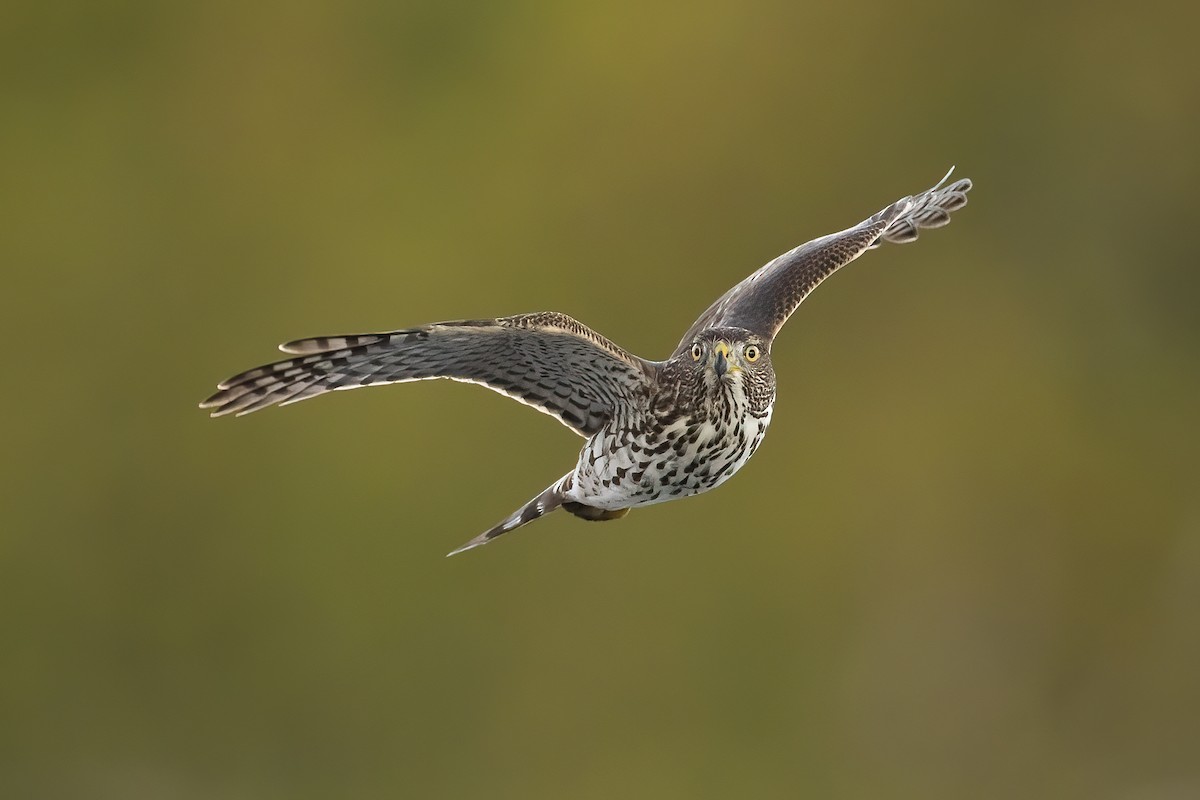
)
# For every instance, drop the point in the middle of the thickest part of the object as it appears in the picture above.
(721, 359)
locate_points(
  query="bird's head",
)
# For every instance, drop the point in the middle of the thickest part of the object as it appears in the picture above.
(729, 360)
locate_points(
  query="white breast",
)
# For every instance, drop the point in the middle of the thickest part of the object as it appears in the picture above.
(618, 470)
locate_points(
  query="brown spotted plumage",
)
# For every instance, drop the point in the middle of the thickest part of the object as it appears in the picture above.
(655, 430)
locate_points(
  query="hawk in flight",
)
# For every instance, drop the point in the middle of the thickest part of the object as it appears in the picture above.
(654, 430)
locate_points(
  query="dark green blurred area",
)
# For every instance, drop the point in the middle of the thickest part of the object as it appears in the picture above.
(965, 564)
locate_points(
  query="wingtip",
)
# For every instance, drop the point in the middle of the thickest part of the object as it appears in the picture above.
(220, 403)
(328, 344)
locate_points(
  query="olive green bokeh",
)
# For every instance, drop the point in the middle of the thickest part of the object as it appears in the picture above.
(965, 563)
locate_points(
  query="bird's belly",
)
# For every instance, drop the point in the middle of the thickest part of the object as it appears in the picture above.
(613, 473)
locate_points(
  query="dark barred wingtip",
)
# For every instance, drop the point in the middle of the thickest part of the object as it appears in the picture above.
(217, 410)
(219, 406)
(242, 377)
(927, 211)
(302, 347)
(327, 344)
(226, 401)
(212, 400)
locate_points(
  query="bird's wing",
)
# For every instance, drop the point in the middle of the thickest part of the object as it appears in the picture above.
(764, 301)
(546, 360)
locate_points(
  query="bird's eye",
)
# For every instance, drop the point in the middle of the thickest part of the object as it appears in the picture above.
(697, 351)
(752, 353)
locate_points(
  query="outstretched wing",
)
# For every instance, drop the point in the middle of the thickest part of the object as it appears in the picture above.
(764, 301)
(546, 360)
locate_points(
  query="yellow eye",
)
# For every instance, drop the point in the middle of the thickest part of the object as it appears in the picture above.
(697, 351)
(752, 353)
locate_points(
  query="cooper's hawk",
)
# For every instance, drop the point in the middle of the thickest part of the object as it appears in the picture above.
(655, 430)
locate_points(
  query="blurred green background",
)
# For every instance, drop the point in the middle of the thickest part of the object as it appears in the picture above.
(965, 563)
